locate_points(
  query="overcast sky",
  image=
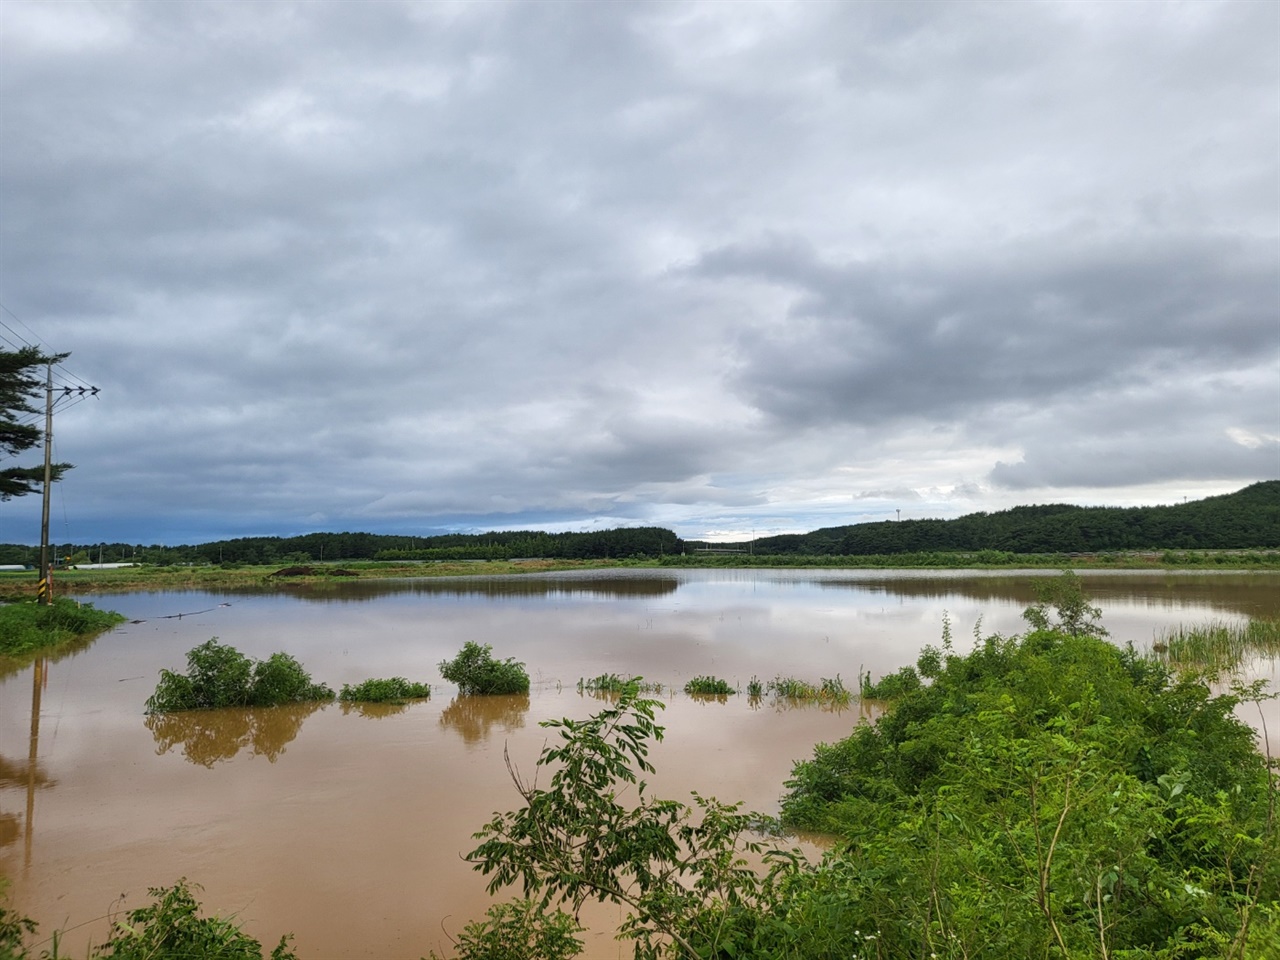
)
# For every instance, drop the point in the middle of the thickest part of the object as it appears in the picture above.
(721, 267)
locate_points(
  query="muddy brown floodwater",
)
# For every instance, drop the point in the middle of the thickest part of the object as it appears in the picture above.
(345, 826)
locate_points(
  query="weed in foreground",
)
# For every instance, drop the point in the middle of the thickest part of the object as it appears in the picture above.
(169, 928)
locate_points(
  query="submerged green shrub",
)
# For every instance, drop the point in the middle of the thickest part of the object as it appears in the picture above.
(476, 672)
(393, 690)
(708, 686)
(221, 676)
(26, 626)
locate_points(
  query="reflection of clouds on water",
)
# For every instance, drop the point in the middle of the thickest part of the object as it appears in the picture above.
(211, 736)
(475, 717)
(374, 711)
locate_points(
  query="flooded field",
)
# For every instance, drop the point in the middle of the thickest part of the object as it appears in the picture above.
(345, 826)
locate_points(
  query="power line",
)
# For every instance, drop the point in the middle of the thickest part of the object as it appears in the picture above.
(39, 344)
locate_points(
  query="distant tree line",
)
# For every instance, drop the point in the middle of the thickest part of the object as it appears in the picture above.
(596, 545)
(1248, 519)
(647, 542)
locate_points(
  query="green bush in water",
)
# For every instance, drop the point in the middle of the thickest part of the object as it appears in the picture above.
(708, 686)
(476, 672)
(221, 676)
(392, 690)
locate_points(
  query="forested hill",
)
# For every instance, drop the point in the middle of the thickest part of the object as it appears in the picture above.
(1241, 520)
(311, 547)
(1249, 518)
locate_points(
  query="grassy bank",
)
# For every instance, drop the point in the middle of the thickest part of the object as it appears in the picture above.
(268, 577)
(27, 627)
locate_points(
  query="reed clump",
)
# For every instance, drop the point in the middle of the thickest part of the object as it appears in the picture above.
(1219, 645)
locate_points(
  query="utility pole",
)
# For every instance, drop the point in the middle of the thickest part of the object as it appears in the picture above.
(44, 590)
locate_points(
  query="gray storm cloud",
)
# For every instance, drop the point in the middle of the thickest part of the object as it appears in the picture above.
(406, 266)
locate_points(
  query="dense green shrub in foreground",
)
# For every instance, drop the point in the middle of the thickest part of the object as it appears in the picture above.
(221, 676)
(1050, 795)
(1042, 796)
(476, 672)
(392, 690)
(27, 626)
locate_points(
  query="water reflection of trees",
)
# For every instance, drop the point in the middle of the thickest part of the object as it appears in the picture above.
(374, 711)
(507, 585)
(11, 666)
(212, 736)
(1237, 593)
(474, 718)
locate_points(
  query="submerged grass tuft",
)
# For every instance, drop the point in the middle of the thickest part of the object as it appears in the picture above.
(612, 683)
(708, 687)
(829, 691)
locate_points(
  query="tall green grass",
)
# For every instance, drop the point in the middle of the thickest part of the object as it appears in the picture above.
(612, 683)
(27, 626)
(831, 690)
(1218, 645)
